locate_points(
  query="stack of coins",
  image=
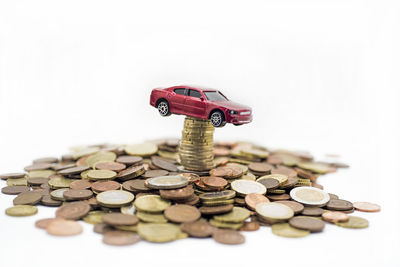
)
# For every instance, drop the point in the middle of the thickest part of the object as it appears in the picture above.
(196, 146)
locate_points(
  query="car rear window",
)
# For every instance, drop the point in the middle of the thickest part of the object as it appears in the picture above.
(214, 96)
(180, 91)
(194, 93)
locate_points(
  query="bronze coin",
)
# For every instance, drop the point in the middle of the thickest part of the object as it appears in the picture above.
(42, 191)
(27, 198)
(229, 237)
(221, 151)
(13, 175)
(214, 182)
(155, 173)
(285, 170)
(312, 211)
(164, 164)
(177, 194)
(250, 226)
(37, 180)
(367, 206)
(197, 228)
(295, 206)
(261, 168)
(62, 165)
(225, 172)
(130, 172)
(137, 185)
(307, 223)
(291, 182)
(193, 200)
(110, 165)
(274, 160)
(102, 228)
(279, 197)
(116, 219)
(102, 186)
(333, 196)
(129, 160)
(339, 204)
(269, 183)
(120, 238)
(14, 189)
(253, 199)
(80, 184)
(305, 174)
(181, 213)
(48, 201)
(38, 166)
(213, 210)
(82, 161)
(42, 224)
(317, 185)
(64, 228)
(73, 211)
(335, 216)
(45, 160)
(74, 170)
(77, 194)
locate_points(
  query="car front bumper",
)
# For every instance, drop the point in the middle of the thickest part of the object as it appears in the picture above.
(238, 119)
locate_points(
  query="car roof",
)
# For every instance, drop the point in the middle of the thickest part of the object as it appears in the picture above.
(201, 88)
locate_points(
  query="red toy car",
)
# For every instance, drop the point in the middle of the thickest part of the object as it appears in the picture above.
(201, 103)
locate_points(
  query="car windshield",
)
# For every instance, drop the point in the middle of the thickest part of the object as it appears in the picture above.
(215, 96)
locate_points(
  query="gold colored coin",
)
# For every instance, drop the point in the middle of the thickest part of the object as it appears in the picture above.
(280, 177)
(226, 225)
(354, 222)
(21, 210)
(159, 232)
(94, 217)
(59, 182)
(244, 187)
(143, 150)
(96, 175)
(41, 173)
(237, 215)
(151, 217)
(99, 157)
(17, 181)
(285, 230)
(151, 203)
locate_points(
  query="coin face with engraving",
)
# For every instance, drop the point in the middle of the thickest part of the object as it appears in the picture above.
(310, 196)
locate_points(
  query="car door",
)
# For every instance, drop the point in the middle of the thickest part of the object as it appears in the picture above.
(195, 103)
(177, 101)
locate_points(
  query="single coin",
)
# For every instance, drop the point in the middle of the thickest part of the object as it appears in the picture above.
(101, 156)
(312, 211)
(228, 237)
(167, 182)
(237, 215)
(250, 226)
(307, 223)
(282, 178)
(222, 172)
(74, 170)
(47, 200)
(77, 194)
(151, 203)
(57, 182)
(38, 166)
(17, 181)
(274, 212)
(159, 232)
(120, 219)
(253, 199)
(285, 230)
(80, 184)
(309, 196)
(131, 172)
(73, 211)
(102, 228)
(164, 164)
(37, 180)
(142, 150)
(120, 238)
(245, 187)
(14, 189)
(137, 185)
(114, 198)
(295, 206)
(197, 228)
(45, 160)
(354, 222)
(21, 210)
(226, 225)
(315, 167)
(155, 173)
(41, 173)
(214, 182)
(151, 217)
(180, 213)
(64, 228)
(259, 167)
(27, 198)
(42, 223)
(213, 210)
(177, 194)
(366, 206)
(333, 196)
(274, 160)
(101, 175)
(270, 183)
(102, 186)
(94, 217)
(58, 194)
(109, 165)
(278, 197)
(339, 204)
(335, 216)
(220, 195)
(14, 175)
(129, 160)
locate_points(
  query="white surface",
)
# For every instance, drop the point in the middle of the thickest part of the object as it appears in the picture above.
(320, 76)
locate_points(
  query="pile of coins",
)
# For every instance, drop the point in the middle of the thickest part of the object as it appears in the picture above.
(139, 192)
(196, 146)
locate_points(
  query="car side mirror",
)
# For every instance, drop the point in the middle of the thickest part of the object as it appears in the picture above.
(202, 98)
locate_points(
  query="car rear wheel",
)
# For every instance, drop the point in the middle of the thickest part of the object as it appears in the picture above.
(163, 108)
(217, 119)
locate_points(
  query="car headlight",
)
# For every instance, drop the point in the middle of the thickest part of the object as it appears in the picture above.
(233, 112)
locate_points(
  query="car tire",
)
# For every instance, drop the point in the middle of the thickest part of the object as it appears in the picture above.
(217, 119)
(163, 108)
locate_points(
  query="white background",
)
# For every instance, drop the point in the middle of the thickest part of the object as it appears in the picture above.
(319, 75)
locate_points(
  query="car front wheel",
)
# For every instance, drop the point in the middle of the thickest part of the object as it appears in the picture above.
(163, 108)
(217, 119)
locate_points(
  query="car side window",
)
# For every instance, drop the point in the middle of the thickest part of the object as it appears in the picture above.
(180, 91)
(194, 93)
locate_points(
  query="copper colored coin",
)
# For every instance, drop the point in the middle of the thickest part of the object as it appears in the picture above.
(46, 160)
(312, 211)
(222, 172)
(181, 213)
(155, 173)
(42, 224)
(120, 238)
(163, 164)
(37, 180)
(82, 161)
(73, 211)
(110, 165)
(130, 173)
(129, 160)
(193, 200)
(333, 196)
(137, 185)
(13, 175)
(27, 198)
(295, 206)
(117, 219)
(212, 210)
(274, 160)
(269, 183)
(221, 151)
(102, 228)
(250, 226)
(307, 223)
(214, 182)
(366, 206)
(339, 204)
(198, 228)
(291, 182)
(253, 199)
(229, 237)
(177, 194)
(259, 167)
(74, 170)
(102, 186)
(38, 166)
(335, 216)
(64, 228)
(80, 184)
(14, 189)
(279, 197)
(48, 201)
(285, 170)
(77, 194)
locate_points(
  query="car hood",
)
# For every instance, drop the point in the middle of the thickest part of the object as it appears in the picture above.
(231, 105)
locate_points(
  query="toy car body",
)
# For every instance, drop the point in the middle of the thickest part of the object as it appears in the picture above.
(202, 103)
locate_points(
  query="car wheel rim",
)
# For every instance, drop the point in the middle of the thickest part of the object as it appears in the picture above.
(216, 119)
(163, 108)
